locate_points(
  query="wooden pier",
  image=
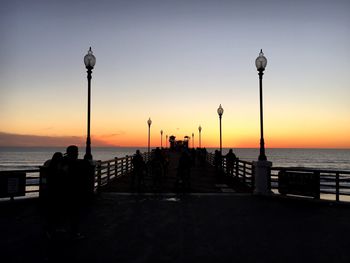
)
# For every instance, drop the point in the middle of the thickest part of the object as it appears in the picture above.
(217, 220)
(203, 179)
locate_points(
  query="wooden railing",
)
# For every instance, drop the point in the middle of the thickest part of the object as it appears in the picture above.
(243, 170)
(334, 184)
(105, 172)
(32, 181)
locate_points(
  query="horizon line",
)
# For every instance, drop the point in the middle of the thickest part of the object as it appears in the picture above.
(153, 147)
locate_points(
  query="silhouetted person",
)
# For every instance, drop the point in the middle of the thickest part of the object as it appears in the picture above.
(55, 184)
(184, 170)
(217, 162)
(202, 155)
(157, 167)
(138, 172)
(75, 196)
(230, 162)
(193, 156)
(165, 157)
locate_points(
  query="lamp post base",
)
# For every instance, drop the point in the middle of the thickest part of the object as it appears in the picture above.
(262, 176)
(88, 157)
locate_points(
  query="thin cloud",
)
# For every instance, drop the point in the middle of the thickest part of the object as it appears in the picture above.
(27, 140)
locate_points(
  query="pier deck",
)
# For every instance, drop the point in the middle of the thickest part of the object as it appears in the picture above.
(184, 228)
(216, 221)
(203, 177)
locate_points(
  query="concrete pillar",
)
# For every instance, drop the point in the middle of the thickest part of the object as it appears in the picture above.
(262, 177)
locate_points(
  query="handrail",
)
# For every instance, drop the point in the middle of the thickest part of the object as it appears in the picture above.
(242, 170)
(306, 169)
(332, 182)
(109, 170)
(32, 181)
(105, 172)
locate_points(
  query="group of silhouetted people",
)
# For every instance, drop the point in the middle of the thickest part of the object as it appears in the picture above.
(156, 168)
(69, 188)
(230, 162)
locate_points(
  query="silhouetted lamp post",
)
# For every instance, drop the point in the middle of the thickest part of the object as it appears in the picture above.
(89, 61)
(166, 141)
(200, 131)
(149, 122)
(220, 112)
(260, 64)
(161, 139)
(192, 140)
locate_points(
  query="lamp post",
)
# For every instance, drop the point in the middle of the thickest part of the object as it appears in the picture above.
(149, 122)
(200, 131)
(192, 140)
(161, 139)
(220, 112)
(166, 141)
(260, 64)
(89, 61)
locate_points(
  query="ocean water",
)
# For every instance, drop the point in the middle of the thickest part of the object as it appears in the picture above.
(14, 158)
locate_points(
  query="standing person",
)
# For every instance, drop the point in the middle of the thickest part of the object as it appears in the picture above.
(139, 166)
(217, 160)
(53, 204)
(230, 162)
(184, 170)
(157, 167)
(75, 194)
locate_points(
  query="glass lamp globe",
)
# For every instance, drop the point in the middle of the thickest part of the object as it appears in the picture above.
(149, 122)
(261, 61)
(220, 110)
(89, 60)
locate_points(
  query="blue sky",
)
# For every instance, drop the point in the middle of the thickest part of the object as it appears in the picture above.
(176, 61)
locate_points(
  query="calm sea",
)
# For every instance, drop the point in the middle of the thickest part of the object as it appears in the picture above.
(31, 157)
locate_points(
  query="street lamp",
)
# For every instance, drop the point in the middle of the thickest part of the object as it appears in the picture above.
(166, 141)
(220, 112)
(260, 64)
(161, 139)
(192, 140)
(89, 61)
(149, 122)
(200, 130)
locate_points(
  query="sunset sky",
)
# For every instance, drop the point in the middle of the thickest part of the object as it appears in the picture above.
(175, 61)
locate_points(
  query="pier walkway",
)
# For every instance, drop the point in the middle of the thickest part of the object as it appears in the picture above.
(184, 228)
(216, 221)
(203, 179)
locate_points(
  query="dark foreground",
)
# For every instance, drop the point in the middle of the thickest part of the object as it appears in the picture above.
(184, 228)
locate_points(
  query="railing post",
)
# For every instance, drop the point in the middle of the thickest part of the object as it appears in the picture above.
(244, 172)
(122, 167)
(108, 171)
(337, 186)
(237, 168)
(127, 165)
(115, 167)
(252, 181)
(98, 169)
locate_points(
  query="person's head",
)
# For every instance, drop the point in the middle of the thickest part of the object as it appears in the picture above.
(137, 151)
(72, 152)
(230, 151)
(57, 156)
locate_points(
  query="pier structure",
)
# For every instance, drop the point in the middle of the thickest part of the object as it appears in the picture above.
(217, 219)
(116, 174)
